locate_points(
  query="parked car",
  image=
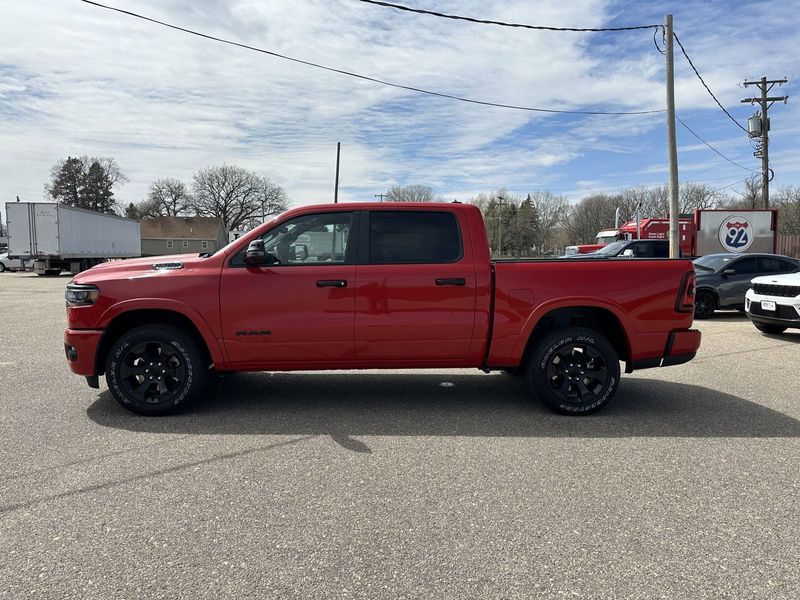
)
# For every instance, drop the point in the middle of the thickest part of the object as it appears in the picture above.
(723, 279)
(10, 264)
(629, 249)
(773, 302)
(375, 286)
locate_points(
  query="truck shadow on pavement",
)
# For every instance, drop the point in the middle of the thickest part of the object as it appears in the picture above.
(348, 405)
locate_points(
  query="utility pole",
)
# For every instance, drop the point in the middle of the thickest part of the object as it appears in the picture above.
(380, 196)
(760, 126)
(336, 189)
(672, 147)
(502, 202)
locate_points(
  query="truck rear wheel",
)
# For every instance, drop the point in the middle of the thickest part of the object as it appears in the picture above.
(574, 371)
(155, 370)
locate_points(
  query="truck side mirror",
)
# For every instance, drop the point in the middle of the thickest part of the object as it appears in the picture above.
(256, 256)
(729, 272)
(628, 252)
(300, 252)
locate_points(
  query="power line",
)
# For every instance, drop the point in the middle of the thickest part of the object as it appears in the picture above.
(733, 184)
(502, 23)
(696, 72)
(365, 77)
(690, 130)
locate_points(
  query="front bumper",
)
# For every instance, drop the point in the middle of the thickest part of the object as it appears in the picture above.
(786, 313)
(80, 347)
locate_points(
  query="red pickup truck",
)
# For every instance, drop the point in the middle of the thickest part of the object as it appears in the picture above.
(375, 286)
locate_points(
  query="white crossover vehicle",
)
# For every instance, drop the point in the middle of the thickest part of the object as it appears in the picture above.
(773, 302)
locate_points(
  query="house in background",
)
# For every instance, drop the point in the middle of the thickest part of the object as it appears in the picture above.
(176, 235)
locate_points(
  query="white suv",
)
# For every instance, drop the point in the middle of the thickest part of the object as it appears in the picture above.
(773, 302)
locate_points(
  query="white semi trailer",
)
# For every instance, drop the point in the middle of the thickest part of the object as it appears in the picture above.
(59, 238)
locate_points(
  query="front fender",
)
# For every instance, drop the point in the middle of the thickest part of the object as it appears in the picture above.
(204, 329)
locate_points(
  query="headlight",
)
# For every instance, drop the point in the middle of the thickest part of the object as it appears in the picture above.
(78, 294)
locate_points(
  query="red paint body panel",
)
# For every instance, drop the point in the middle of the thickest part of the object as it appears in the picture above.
(683, 342)
(85, 343)
(402, 315)
(639, 293)
(305, 322)
(388, 315)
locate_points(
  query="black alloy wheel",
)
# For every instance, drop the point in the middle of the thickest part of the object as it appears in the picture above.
(152, 372)
(575, 371)
(155, 370)
(704, 305)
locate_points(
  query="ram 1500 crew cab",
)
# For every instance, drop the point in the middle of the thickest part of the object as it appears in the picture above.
(375, 286)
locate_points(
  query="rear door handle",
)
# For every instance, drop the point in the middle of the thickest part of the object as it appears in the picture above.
(332, 283)
(452, 281)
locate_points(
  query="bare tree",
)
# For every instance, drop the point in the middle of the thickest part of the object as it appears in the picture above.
(551, 212)
(166, 197)
(411, 193)
(590, 215)
(236, 195)
(787, 200)
(751, 197)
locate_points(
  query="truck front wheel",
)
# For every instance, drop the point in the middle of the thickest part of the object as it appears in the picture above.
(574, 371)
(155, 370)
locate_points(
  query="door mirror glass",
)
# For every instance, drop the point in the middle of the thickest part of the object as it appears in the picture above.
(628, 252)
(729, 272)
(256, 256)
(300, 252)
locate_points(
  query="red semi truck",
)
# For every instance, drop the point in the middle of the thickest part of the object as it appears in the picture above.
(707, 231)
(375, 286)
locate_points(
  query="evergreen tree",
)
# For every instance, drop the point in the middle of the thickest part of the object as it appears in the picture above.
(85, 182)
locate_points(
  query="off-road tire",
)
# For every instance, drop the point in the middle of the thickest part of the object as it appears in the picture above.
(575, 371)
(155, 370)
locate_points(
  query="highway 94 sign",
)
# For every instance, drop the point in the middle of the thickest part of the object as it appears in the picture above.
(736, 233)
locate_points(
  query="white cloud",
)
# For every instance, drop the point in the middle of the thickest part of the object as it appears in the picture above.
(75, 80)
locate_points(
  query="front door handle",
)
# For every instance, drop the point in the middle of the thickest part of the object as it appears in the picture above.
(332, 283)
(452, 281)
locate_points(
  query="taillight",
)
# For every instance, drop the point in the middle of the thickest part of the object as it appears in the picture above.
(685, 300)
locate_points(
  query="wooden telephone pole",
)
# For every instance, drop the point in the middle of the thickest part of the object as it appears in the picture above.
(672, 147)
(759, 127)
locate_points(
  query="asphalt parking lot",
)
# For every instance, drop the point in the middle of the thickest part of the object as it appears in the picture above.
(392, 485)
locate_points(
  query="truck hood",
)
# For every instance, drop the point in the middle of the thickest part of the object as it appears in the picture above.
(137, 266)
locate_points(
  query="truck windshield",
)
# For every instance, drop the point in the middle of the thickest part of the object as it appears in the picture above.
(612, 249)
(606, 239)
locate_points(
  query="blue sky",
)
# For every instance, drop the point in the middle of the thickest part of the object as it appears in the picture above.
(76, 80)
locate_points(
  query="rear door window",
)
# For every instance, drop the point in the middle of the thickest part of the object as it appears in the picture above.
(769, 264)
(407, 237)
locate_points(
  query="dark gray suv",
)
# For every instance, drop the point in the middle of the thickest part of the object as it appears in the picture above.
(723, 279)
